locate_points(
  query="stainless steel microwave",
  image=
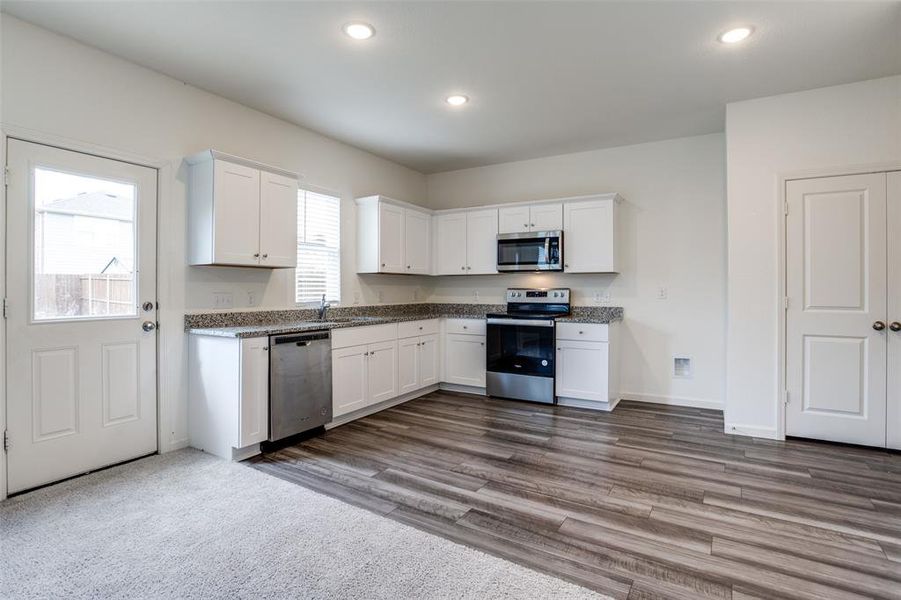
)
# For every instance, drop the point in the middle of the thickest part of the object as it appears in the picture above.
(530, 251)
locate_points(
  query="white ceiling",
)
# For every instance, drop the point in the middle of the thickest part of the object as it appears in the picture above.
(544, 77)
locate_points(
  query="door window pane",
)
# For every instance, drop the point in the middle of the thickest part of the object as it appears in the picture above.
(84, 246)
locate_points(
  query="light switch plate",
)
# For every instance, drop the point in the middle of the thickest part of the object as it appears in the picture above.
(223, 300)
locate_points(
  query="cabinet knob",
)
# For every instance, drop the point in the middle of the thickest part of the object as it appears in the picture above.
(878, 325)
(565, 266)
(265, 256)
(895, 326)
(465, 327)
(525, 224)
(265, 347)
(408, 266)
(383, 264)
(257, 255)
(462, 268)
(469, 268)
(532, 224)
(483, 343)
(581, 332)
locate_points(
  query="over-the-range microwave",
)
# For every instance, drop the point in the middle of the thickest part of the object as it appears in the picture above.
(530, 251)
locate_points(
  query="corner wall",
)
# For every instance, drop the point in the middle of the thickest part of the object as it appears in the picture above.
(835, 128)
(672, 235)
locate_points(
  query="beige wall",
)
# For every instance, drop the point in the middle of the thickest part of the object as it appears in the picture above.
(673, 235)
(835, 129)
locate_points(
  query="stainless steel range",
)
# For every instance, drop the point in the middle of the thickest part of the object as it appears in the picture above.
(520, 344)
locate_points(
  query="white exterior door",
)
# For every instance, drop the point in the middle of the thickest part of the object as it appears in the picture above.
(278, 220)
(836, 333)
(481, 242)
(81, 262)
(893, 425)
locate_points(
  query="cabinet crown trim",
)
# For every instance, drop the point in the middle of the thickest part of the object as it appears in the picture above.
(211, 154)
(569, 199)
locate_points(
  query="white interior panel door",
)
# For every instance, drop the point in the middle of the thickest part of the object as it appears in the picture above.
(81, 386)
(893, 417)
(835, 327)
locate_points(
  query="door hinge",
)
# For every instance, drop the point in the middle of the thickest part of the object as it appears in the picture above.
(785, 207)
(5, 307)
(785, 396)
(6, 176)
(6, 440)
(785, 302)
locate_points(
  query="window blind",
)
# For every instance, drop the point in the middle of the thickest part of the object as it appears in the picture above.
(318, 247)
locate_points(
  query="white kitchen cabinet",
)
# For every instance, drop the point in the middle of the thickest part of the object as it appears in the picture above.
(464, 359)
(241, 213)
(228, 383)
(466, 242)
(392, 237)
(429, 365)
(530, 217)
(589, 236)
(408, 356)
(349, 382)
(450, 244)
(381, 369)
(586, 369)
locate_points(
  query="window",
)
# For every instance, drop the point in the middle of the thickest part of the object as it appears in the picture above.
(318, 247)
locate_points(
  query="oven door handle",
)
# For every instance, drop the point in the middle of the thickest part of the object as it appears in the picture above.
(521, 322)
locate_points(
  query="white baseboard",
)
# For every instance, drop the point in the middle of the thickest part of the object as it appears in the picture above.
(672, 400)
(769, 433)
(464, 389)
(589, 404)
(369, 410)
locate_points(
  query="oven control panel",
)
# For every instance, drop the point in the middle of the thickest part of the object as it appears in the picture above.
(542, 296)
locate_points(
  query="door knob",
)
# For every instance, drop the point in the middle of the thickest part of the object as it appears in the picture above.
(147, 306)
(148, 326)
(895, 326)
(878, 325)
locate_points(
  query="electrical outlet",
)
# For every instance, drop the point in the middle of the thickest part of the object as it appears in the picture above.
(475, 294)
(601, 297)
(416, 294)
(223, 300)
(251, 298)
(661, 292)
(356, 297)
(381, 296)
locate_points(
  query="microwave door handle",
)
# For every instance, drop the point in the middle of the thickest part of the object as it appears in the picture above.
(547, 249)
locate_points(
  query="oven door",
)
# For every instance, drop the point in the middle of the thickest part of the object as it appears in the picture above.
(521, 347)
(535, 251)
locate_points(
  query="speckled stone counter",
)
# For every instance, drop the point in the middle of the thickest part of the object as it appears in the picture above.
(276, 322)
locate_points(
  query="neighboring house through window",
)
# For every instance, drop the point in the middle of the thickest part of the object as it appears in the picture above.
(318, 247)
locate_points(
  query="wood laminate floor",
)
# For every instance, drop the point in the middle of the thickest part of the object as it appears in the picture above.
(645, 502)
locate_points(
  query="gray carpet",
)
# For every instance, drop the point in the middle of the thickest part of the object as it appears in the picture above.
(187, 525)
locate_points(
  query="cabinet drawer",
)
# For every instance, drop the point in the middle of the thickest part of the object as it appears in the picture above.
(371, 334)
(470, 326)
(586, 332)
(412, 328)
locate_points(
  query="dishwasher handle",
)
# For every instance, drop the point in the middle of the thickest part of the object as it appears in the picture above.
(300, 339)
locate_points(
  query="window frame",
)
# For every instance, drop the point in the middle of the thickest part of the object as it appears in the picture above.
(292, 284)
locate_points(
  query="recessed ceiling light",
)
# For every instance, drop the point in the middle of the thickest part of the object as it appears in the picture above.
(456, 100)
(733, 36)
(359, 31)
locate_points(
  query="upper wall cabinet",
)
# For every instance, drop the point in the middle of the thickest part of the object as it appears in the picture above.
(466, 242)
(530, 217)
(241, 213)
(589, 235)
(393, 237)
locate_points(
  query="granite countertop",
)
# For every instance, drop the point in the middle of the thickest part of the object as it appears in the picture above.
(277, 322)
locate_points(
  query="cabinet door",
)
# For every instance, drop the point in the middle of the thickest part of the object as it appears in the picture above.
(391, 239)
(582, 370)
(253, 427)
(588, 237)
(465, 359)
(513, 219)
(893, 428)
(481, 242)
(408, 365)
(382, 372)
(349, 385)
(546, 217)
(236, 214)
(278, 220)
(417, 242)
(450, 244)
(429, 368)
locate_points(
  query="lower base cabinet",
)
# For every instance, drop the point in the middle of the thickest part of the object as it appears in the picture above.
(417, 363)
(585, 371)
(228, 393)
(464, 362)
(363, 375)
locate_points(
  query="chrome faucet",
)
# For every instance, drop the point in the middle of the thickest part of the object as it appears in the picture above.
(323, 306)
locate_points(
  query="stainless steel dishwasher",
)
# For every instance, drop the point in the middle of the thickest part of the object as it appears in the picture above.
(300, 383)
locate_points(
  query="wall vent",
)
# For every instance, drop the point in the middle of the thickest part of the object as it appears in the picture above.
(682, 367)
